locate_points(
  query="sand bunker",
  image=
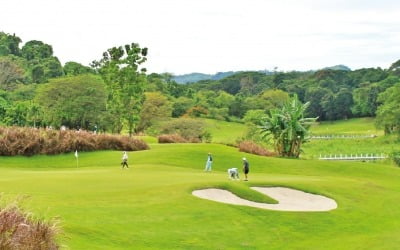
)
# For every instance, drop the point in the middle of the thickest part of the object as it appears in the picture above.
(289, 199)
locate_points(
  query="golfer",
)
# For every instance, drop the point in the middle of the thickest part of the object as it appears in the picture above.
(209, 162)
(124, 160)
(246, 168)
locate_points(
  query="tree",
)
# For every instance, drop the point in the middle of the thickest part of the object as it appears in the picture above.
(388, 114)
(223, 100)
(365, 100)
(288, 127)
(9, 44)
(238, 107)
(41, 62)
(4, 104)
(36, 50)
(155, 107)
(10, 73)
(181, 105)
(74, 68)
(16, 114)
(125, 82)
(328, 106)
(343, 103)
(52, 67)
(206, 98)
(254, 116)
(395, 68)
(274, 98)
(76, 102)
(315, 96)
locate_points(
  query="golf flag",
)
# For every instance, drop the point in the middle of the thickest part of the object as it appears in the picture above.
(76, 156)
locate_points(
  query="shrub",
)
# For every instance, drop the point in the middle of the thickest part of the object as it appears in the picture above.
(171, 138)
(253, 148)
(254, 116)
(395, 156)
(191, 130)
(31, 141)
(18, 230)
(196, 111)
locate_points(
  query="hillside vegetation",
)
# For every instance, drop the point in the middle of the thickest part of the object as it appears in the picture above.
(116, 94)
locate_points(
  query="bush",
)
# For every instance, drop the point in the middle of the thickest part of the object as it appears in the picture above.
(172, 138)
(253, 134)
(31, 141)
(395, 156)
(196, 111)
(252, 148)
(254, 116)
(18, 230)
(191, 130)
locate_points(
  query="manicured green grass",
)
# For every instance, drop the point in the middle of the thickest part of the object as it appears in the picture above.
(225, 132)
(147, 138)
(360, 126)
(379, 145)
(150, 206)
(364, 126)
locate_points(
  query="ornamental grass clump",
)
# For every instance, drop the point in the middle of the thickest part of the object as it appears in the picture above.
(32, 141)
(20, 231)
(253, 148)
(183, 130)
(175, 138)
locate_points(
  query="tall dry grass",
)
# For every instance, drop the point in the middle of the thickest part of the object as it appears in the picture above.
(31, 141)
(20, 231)
(175, 138)
(253, 148)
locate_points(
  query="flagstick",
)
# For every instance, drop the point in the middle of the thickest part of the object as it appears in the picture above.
(77, 158)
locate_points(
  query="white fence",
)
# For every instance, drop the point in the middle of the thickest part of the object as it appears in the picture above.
(353, 157)
(328, 137)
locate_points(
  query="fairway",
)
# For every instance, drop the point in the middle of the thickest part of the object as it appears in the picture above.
(150, 206)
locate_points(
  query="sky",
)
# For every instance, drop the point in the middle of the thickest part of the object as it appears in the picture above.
(209, 36)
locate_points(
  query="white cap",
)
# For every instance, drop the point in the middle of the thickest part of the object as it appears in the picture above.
(244, 158)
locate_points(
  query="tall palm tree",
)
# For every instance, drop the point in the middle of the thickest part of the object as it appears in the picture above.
(288, 127)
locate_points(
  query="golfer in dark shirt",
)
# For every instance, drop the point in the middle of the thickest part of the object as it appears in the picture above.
(246, 168)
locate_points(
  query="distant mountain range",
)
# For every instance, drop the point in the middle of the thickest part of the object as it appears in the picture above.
(195, 77)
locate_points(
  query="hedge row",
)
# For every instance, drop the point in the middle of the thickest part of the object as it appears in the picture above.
(31, 141)
(175, 138)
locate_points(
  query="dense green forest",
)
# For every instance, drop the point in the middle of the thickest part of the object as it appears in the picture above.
(116, 93)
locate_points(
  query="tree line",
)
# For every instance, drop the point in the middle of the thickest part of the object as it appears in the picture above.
(115, 93)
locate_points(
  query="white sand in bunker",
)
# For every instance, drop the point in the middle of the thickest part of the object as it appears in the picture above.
(289, 199)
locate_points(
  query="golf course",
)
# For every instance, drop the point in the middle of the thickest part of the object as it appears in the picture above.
(200, 125)
(98, 205)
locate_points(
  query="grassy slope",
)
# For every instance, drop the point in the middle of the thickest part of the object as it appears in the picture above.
(363, 126)
(221, 131)
(225, 132)
(150, 205)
